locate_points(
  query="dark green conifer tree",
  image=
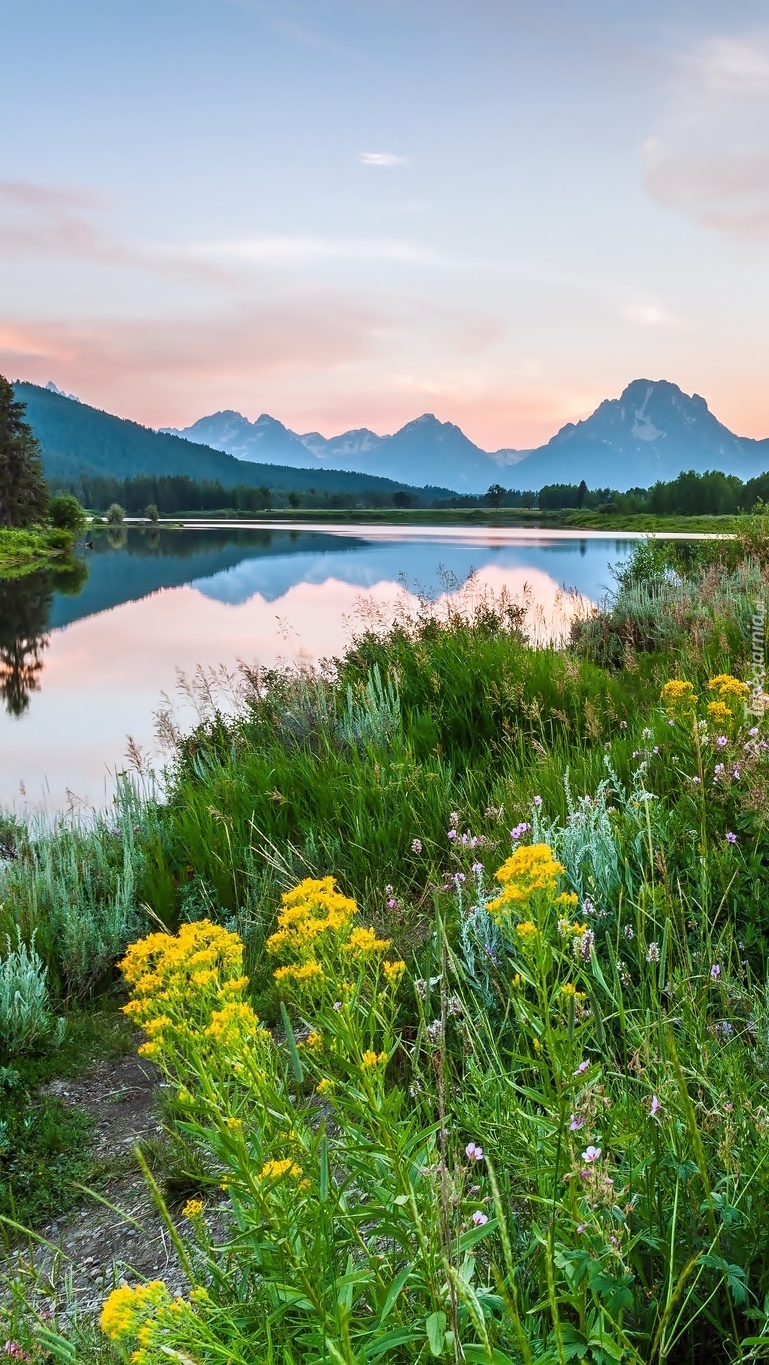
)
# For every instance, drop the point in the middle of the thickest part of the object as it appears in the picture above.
(23, 492)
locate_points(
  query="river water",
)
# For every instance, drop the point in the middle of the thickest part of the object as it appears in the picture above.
(86, 665)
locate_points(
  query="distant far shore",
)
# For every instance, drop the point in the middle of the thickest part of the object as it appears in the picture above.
(461, 516)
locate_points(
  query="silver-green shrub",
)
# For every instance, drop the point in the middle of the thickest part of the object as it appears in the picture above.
(374, 719)
(26, 1020)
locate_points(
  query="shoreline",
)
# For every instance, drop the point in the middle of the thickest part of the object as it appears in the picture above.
(664, 528)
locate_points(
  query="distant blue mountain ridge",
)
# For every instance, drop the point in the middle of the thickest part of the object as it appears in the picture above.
(652, 431)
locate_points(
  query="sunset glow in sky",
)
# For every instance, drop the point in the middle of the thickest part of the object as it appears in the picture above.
(350, 212)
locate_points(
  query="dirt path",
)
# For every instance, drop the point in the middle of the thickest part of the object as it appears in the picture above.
(97, 1247)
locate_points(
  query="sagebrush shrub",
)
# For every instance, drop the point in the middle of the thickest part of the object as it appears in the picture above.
(26, 1019)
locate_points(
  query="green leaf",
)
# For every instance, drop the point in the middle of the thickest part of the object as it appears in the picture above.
(394, 1291)
(323, 1155)
(614, 1291)
(435, 1327)
(478, 1355)
(391, 1341)
(296, 1061)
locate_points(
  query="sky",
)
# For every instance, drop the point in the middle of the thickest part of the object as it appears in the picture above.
(350, 212)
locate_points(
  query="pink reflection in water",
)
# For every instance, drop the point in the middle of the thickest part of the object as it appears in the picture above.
(105, 676)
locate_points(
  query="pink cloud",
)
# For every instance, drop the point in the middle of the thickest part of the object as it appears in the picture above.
(149, 369)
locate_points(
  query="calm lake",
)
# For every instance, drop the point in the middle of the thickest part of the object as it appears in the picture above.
(84, 669)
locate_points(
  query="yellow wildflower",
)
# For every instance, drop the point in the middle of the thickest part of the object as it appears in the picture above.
(370, 1059)
(325, 1084)
(393, 971)
(306, 971)
(193, 1209)
(526, 930)
(310, 910)
(238, 983)
(363, 942)
(125, 1310)
(569, 989)
(678, 692)
(233, 1024)
(727, 686)
(275, 1170)
(719, 711)
(204, 978)
(531, 869)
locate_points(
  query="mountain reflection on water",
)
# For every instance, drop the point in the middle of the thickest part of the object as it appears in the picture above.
(86, 657)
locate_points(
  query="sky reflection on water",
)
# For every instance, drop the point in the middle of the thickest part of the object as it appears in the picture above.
(160, 605)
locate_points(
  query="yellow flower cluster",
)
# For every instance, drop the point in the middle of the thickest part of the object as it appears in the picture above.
(677, 692)
(719, 712)
(526, 930)
(275, 1170)
(370, 1059)
(565, 928)
(315, 928)
(193, 1209)
(235, 1023)
(727, 686)
(165, 960)
(394, 971)
(569, 989)
(364, 943)
(191, 986)
(126, 1309)
(530, 870)
(301, 974)
(310, 911)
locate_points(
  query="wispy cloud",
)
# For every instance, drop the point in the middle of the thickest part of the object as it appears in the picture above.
(709, 158)
(68, 225)
(382, 159)
(46, 220)
(191, 361)
(648, 313)
(293, 27)
(291, 250)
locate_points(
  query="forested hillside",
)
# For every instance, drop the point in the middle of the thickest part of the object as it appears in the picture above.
(79, 441)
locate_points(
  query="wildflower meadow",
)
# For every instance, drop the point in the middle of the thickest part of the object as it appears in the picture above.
(451, 960)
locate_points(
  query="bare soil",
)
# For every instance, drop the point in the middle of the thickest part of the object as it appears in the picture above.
(95, 1247)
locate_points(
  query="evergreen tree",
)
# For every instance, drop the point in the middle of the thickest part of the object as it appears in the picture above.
(23, 493)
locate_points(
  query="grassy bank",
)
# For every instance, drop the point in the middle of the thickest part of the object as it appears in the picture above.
(480, 516)
(395, 516)
(644, 522)
(24, 551)
(510, 1103)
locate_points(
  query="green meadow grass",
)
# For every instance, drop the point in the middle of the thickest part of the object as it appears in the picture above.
(401, 769)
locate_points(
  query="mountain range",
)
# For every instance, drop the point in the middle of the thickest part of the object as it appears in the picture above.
(78, 440)
(652, 431)
(424, 444)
